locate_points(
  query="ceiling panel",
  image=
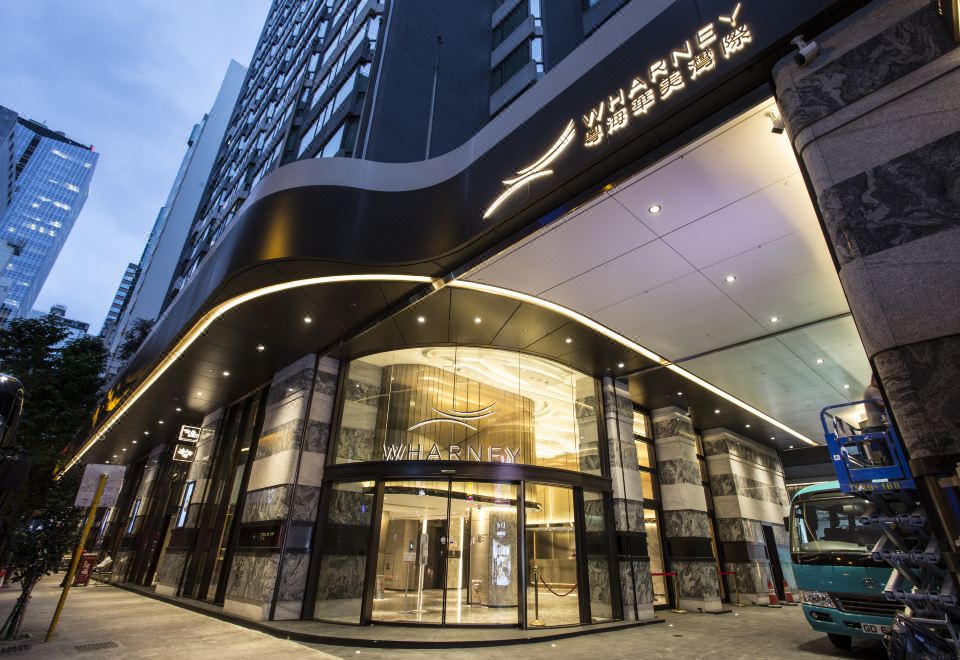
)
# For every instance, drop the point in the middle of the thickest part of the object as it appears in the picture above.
(766, 215)
(660, 303)
(593, 237)
(633, 273)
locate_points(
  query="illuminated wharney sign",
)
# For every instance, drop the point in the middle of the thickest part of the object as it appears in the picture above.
(665, 79)
(472, 451)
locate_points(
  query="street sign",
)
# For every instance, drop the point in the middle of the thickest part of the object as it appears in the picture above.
(91, 477)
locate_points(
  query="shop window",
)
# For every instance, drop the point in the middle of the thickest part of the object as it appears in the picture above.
(468, 404)
(647, 480)
(185, 503)
(655, 551)
(133, 516)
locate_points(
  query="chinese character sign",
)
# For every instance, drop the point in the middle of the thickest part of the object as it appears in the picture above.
(667, 77)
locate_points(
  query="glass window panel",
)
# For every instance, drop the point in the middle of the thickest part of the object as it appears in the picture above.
(552, 589)
(343, 552)
(469, 404)
(645, 455)
(655, 550)
(646, 484)
(641, 424)
(598, 557)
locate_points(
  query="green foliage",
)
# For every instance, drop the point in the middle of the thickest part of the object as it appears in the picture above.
(37, 546)
(134, 336)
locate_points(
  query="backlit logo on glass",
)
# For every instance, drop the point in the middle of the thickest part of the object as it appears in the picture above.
(457, 417)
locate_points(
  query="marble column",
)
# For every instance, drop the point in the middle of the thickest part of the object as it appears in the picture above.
(174, 562)
(686, 525)
(636, 585)
(284, 488)
(876, 122)
(748, 491)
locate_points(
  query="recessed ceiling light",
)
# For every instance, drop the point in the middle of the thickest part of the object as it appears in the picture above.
(146, 432)
(730, 279)
(199, 393)
(421, 319)
(774, 319)
(124, 449)
(790, 447)
(846, 387)
(748, 426)
(654, 209)
(307, 319)
(160, 421)
(289, 389)
(819, 360)
(620, 365)
(717, 411)
(773, 437)
(569, 340)
(179, 409)
(114, 455)
(226, 373)
(261, 348)
(477, 320)
(134, 441)
(679, 393)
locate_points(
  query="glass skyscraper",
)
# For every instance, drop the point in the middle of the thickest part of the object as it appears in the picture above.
(52, 179)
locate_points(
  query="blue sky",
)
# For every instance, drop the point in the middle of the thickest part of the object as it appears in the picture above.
(130, 77)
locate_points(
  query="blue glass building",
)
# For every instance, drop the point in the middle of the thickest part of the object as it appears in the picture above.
(52, 178)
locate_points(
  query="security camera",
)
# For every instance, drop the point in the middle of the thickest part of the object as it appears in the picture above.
(806, 51)
(776, 122)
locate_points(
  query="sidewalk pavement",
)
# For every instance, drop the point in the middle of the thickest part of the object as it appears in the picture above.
(100, 621)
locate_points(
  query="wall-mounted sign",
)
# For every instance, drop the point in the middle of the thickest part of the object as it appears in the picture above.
(261, 535)
(479, 452)
(457, 417)
(189, 434)
(662, 81)
(184, 452)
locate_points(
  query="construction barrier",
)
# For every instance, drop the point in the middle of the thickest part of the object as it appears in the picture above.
(772, 595)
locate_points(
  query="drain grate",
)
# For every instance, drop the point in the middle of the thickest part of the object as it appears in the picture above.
(99, 646)
(15, 649)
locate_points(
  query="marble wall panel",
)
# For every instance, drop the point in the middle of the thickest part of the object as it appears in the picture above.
(252, 577)
(686, 523)
(171, 568)
(266, 504)
(891, 54)
(697, 579)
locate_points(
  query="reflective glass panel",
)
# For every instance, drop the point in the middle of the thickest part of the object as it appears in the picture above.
(552, 589)
(598, 557)
(343, 547)
(468, 404)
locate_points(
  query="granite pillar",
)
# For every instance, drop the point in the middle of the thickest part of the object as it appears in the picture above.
(686, 524)
(875, 120)
(749, 493)
(284, 489)
(636, 585)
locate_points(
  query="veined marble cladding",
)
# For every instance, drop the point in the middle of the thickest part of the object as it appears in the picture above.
(751, 580)
(671, 423)
(697, 580)
(912, 196)
(598, 576)
(252, 577)
(881, 59)
(739, 529)
(679, 471)
(922, 385)
(740, 486)
(171, 568)
(678, 468)
(686, 523)
(636, 585)
(730, 444)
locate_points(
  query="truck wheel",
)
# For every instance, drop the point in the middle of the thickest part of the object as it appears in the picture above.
(841, 641)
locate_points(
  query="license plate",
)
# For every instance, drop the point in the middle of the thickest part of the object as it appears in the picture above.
(874, 629)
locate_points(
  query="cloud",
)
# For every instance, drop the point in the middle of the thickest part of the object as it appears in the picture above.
(131, 79)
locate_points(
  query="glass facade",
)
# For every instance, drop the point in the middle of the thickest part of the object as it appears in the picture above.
(468, 404)
(53, 178)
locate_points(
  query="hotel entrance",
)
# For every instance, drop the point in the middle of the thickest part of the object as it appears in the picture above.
(467, 553)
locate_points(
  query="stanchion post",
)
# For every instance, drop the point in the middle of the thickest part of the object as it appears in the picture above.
(78, 553)
(536, 597)
(676, 593)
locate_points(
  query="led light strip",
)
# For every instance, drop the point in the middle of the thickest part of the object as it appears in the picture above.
(627, 343)
(205, 322)
(208, 319)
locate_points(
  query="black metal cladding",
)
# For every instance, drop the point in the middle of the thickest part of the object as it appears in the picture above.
(320, 229)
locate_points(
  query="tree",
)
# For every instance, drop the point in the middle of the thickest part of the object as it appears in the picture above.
(134, 336)
(61, 379)
(39, 543)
